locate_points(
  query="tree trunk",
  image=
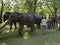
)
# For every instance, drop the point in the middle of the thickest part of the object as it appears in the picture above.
(1, 12)
(55, 10)
(35, 1)
(49, 8)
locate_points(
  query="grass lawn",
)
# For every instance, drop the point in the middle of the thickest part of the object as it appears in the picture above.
(35, 38)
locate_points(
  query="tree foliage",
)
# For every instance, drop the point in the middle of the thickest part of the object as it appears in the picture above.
(32, 6)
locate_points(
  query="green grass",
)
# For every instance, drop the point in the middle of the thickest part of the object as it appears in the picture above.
(35, 38)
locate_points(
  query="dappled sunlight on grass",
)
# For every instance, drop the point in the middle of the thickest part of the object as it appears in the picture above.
(7, 31)
(47, 44)
(3, 44)
(58, 25)
(2, 24)
(37, 30)
(29, 38)
(52, 43)
(26, 35)
(51, 30)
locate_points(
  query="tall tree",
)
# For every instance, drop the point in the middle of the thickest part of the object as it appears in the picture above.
(1, 12)
(35, 1)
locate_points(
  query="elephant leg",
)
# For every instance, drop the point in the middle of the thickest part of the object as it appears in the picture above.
(10, 26)
(20, 28)
(32, 27)
(15, 25)
(28, 26)
(54, 24)
(38, 25)
(59, 26)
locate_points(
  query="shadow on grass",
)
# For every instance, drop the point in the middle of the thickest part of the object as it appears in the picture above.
(28, 38)
(5, 36)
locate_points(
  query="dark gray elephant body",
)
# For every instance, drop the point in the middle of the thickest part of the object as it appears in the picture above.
(53, 18)
(27, 19)
(6, 16)
(38, 18)
(23, 19)
(58, 19)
